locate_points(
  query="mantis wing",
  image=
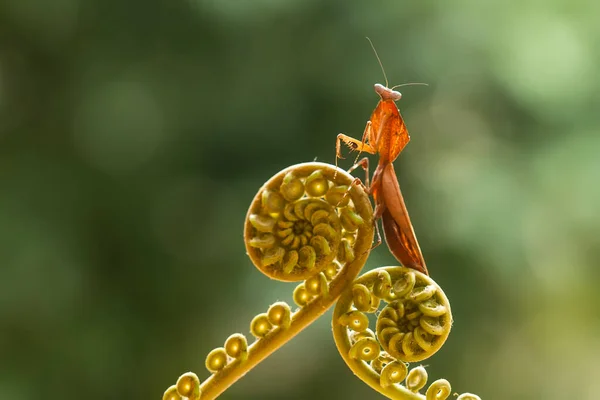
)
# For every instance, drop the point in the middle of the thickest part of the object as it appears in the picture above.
(399, 233)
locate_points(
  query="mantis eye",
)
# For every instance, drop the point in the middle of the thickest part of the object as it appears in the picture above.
(394, 95)
(386, 93)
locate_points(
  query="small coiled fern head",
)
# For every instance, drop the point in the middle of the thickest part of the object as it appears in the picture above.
(413, 322)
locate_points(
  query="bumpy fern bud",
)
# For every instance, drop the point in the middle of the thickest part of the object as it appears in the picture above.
(187, 387)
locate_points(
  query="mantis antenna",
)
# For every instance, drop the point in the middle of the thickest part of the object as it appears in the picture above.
(410, 84)
(384, 74)
(379, 60)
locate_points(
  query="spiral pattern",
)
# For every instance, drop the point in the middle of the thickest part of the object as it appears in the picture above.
(414, 322)
(300, 221)
(417, 322)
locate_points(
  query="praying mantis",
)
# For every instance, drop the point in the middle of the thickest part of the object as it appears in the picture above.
(386, 135)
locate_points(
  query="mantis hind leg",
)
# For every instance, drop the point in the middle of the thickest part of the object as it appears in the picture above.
(378, 241)
(364, 164)
(379, 208)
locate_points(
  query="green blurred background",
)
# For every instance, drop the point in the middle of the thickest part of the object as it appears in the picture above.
(134, 134)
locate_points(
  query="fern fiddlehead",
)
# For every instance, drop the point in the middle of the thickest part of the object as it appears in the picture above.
(413, 324)
(310, 224)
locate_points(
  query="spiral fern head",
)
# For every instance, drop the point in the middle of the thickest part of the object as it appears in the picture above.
(300, 222)
(417, 320)
(413, 321)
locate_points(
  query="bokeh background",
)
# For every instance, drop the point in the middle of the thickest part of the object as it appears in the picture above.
(134, 134)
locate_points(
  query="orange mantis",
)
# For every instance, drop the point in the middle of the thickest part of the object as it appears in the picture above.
(386, 135)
